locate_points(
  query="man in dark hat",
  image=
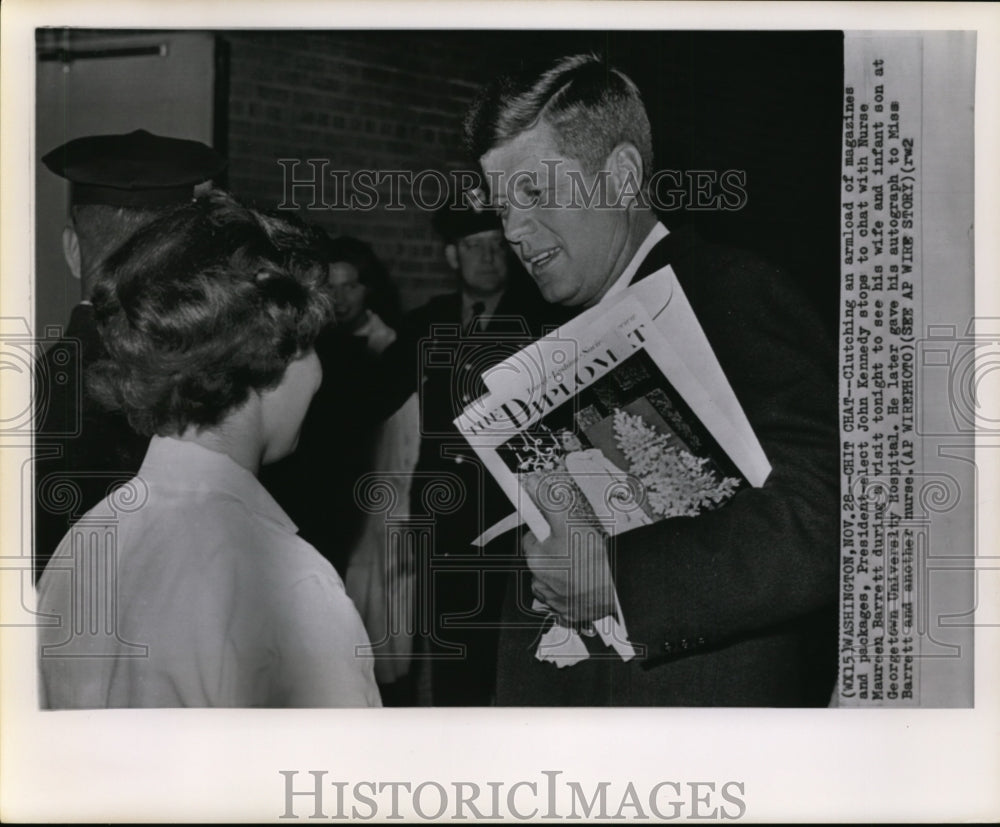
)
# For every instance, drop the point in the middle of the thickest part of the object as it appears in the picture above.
(447, 344)
(118, 184)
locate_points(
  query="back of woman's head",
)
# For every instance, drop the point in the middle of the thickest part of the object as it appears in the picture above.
(200, 308)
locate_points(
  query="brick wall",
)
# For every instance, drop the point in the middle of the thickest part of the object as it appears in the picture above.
(361, 101)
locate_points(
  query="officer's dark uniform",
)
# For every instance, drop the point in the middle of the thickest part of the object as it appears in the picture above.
(81, 450)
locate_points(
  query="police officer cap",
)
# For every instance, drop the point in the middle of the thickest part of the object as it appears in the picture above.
(453, 221)
(135, 169)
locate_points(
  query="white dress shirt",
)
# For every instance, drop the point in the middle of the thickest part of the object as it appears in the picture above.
(651, 240)
(190, 587)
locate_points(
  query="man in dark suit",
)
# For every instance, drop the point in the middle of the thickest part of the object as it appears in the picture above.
(118, 184)
(735, 606)
(445, 346)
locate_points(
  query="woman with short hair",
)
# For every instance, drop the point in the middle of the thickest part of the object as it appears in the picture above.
(189, 586)
(364, 300)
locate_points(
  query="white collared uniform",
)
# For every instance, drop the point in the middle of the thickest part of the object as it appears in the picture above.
(218, 603)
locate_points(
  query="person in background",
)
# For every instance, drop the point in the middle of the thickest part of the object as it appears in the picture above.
(208, 315)
(379, 576)
(360, 286)
(443, 348)
(339, 437)
(119, 183)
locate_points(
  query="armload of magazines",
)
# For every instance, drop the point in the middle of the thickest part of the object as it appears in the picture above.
(620, 418)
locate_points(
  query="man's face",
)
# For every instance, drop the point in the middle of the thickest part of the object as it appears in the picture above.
(574, 252)
(482, 262)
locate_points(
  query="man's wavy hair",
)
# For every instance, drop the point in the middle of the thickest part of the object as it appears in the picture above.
(203, 306)
(591, 106)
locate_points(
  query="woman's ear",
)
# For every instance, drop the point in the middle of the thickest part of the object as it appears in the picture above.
(451, 255)
(71, 250)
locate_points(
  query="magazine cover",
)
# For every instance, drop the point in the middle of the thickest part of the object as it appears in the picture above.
(605, 417)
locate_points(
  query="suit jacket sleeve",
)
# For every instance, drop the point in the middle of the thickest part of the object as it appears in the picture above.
(770, 554)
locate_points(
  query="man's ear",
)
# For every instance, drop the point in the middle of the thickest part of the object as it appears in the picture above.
(625, 178)
(451, 256)
(71, 250)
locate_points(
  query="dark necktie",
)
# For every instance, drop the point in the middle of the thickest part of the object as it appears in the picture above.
(471, 385)
(474, 325)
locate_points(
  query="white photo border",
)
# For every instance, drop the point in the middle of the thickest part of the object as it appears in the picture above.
(214, 765)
